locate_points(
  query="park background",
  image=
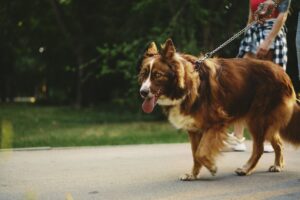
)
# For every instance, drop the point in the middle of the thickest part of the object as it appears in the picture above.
(68, 67)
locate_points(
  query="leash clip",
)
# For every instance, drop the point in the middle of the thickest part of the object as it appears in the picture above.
(199, 62)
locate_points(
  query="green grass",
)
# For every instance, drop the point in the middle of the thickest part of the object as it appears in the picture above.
(34, 126)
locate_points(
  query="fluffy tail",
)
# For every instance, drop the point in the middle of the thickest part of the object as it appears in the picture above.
(291, 132)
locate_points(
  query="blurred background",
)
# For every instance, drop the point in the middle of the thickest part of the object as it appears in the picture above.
(68, 67)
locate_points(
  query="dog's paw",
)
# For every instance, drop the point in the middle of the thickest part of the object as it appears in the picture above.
(275, 168)
(241, 172)
(213, 170)
(188, 177)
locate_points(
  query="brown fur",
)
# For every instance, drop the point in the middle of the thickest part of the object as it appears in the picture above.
(222, 92)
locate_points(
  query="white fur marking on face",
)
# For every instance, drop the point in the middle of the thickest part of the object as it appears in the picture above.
(147, 83)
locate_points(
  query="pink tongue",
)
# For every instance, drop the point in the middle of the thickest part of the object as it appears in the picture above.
(148, 105)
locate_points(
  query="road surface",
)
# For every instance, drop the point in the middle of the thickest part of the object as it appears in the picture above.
(140, 172)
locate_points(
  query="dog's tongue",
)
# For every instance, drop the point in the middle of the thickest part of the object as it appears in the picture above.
(149, 104)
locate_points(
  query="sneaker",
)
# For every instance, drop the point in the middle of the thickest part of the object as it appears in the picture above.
(241, 147)
(268, 148)
(235, 144)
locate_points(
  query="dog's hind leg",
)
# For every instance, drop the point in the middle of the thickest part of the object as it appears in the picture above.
(258, 133)
(211, 144)
(195, 138)
(277, 145)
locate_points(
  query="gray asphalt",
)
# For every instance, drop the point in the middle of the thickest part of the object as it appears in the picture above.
(140, 172)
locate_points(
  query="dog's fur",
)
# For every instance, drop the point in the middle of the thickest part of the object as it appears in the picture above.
(222, 92)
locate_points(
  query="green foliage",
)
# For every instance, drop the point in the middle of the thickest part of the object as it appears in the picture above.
(65, 2)
(97, 43)
(120, 59)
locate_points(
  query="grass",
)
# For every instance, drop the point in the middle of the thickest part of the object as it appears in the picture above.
(36, 126)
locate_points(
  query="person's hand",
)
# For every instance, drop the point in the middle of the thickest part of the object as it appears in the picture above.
(263, 49)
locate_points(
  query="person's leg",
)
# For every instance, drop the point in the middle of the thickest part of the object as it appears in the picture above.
(238, 130)
(237, 143)
(298, 44)
(236, 140)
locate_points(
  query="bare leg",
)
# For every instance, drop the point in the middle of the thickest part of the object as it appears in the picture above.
(277, 146)
(238, 130)
(194, 140)
(298, 44)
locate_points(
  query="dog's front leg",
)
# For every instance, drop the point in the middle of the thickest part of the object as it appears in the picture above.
(195, 138)
(211, 144)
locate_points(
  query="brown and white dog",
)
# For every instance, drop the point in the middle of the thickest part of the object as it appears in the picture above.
(205, 102)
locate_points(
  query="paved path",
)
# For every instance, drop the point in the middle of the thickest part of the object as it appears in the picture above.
(140, 172)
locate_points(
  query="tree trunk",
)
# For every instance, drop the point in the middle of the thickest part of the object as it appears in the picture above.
(78, 101)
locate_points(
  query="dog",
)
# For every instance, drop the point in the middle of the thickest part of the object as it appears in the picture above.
(205, 101)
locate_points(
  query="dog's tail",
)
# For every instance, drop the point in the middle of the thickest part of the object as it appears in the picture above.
(291, 133)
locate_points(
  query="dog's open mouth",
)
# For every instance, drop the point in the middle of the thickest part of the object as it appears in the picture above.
(149, 104)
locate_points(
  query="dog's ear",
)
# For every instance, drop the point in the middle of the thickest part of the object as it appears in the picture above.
(168, 50)
(151, 50)
(148, 51)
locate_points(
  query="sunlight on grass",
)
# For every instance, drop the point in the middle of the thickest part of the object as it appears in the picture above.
(6, 134)
(106, 134)
(30, 195)
(47, 126)
(69, 196)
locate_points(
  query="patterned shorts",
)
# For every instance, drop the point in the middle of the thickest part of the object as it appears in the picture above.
(257, 33)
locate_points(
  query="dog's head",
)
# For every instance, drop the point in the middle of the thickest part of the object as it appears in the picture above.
(162, 77)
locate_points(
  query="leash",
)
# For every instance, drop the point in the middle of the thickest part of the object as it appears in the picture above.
(261, 12)
(209, 54)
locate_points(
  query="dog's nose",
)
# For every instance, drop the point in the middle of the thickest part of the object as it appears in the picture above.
(144, 93)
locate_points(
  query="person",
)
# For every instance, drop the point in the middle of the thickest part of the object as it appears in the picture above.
(265, 39)
(298, 45)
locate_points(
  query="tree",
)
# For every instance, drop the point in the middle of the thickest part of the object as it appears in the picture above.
(85, 52)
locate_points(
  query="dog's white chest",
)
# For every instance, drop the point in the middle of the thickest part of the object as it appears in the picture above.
(181, 121)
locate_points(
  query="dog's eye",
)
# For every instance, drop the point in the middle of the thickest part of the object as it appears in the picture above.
(144, 73)
(157, 75)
